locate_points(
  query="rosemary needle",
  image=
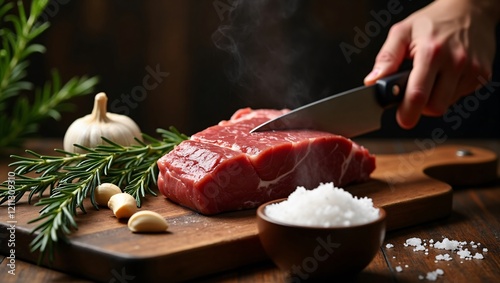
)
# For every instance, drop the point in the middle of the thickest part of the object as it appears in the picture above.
(72, 177)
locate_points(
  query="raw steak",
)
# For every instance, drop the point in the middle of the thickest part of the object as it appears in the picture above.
(225, 168)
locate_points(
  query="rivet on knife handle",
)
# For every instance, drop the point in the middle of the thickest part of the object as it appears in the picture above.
(391, 89)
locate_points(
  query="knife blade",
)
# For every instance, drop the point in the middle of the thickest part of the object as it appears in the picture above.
(349, 114)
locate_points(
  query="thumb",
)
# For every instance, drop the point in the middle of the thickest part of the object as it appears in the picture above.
(392, 53)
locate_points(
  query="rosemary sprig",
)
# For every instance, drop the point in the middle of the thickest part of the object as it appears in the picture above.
(72, 177)
(16, 44)
(20, 117)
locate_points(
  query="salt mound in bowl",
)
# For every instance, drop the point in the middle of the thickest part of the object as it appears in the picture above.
(321, 233)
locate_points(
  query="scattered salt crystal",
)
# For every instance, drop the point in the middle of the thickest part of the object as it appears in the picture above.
(389, 246)
(471, 243)
(413, 242)
(406, 265)
(464, 254)
(433, 275)
(431, 241)
(447, 244)
(421, 277)
(446, 257)
(478, 256)
(474, 246)
(419, 248)
(325, 206)
(399, 268)
(485, 249)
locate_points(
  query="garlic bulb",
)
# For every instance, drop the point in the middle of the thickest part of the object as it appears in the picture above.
(88, 130)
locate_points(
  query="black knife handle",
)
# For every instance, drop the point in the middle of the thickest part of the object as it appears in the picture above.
(391, 89)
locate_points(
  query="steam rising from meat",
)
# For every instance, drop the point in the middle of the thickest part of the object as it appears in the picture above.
(274, 50)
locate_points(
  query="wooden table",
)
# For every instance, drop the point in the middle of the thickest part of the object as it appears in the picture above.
(475, 217)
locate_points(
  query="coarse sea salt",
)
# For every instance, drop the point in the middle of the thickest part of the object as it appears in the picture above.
(446, 244)
(464, 253)
(456, 247)
(433, 275)
(446, 257)
(415, 242)
(450, 245)
(478, 256)
(324, 206)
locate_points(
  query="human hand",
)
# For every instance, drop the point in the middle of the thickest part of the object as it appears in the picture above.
(452, 45)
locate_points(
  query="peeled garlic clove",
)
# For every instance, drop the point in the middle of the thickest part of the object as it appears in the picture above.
(147, 221)
(123, 205)
(104, 192)
(89, 130)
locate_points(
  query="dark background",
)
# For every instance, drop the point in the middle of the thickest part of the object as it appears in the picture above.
(223, 55)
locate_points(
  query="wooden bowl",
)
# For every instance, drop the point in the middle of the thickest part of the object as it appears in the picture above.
(317, 252)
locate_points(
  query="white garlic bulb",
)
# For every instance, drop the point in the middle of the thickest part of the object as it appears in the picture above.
(89, 130)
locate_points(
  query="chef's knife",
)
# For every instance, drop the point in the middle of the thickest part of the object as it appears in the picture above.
(349, 114)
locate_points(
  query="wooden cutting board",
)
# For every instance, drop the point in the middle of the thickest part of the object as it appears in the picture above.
(103, 249)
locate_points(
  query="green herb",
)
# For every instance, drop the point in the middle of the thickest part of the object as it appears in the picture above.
(18, 116)
(72, 177)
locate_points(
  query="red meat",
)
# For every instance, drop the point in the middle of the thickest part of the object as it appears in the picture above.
(226, 168)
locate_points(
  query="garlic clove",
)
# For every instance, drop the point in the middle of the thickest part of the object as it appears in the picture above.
(123, 205)
(147, 221)
(104, 192)
(89, 130)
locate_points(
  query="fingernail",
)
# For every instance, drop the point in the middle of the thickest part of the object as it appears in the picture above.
(373, 74)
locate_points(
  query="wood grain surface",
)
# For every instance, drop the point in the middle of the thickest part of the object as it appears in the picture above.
(198, 245)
